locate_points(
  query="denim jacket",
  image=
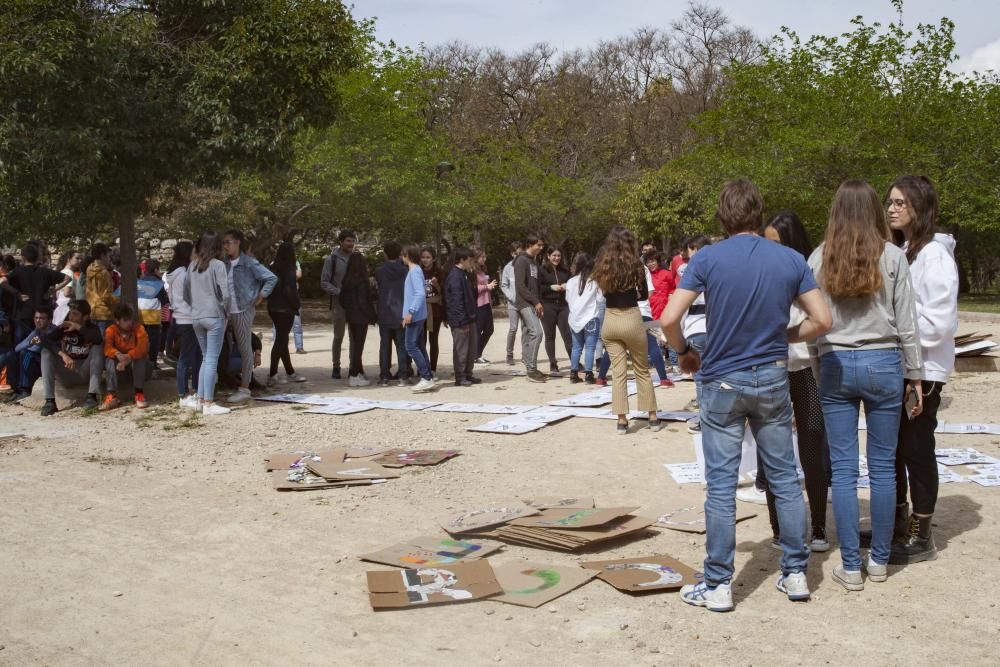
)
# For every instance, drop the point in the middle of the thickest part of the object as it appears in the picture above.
(250, 278)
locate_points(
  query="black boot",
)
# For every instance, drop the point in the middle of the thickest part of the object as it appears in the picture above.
(574, 377)
(588, 377)
(899, 526)
(918, 544)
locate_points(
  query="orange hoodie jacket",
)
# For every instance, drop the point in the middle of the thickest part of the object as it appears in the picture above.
(135, 344)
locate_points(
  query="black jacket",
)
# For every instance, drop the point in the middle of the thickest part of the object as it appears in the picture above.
(285, 297)
(389, 279)
(459, 298)
(549, 276)
(525, 281)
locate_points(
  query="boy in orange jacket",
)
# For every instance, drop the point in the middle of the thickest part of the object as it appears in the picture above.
(125, 345)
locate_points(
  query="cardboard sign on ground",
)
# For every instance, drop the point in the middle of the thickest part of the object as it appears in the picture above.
(692, 519)
(553, 502)
(432, 552)
(342, 408)
(397, 458)
(646, 573)
(533, 584)
(574, 518)
(289, 460)
(365, 452)
(509, 425)
(488, 514)
(461, 582)
(486, 408)
(575, 539)
(306, 399)
(348, 470)
(308, 482)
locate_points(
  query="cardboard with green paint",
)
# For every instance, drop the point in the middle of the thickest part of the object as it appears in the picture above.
(657, 572)
(531, 584)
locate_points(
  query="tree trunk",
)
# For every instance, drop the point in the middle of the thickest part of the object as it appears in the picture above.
(129, 262)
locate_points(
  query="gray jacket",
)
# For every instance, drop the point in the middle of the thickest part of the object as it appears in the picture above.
(884, 320)
(507, 283)
(332, 277)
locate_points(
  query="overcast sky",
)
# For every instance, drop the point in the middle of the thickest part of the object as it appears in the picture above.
(568, 24)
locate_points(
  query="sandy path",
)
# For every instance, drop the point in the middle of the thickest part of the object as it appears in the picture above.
(127, 543)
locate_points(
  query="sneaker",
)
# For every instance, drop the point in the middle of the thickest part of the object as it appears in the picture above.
(849, 579)
(510, 361)
(719, 598)
(588, 377)
(294, 377)
(191, 402)
(49, 408)
(335, 375)
(666, 382)
(140, 400)
(110, 403)
(91, 402)
(403, 382)
(239, 396)
(694, 426)
(534, 375)
(574, 377)
(554, 371)
(656, 426)
(474, 380)
(300, 351)
(794, 585)
(621, 429)
(272, 381)
(383, 382)
(601, 382)
(482, 360)
(358, 381)
(422, 386)
(877, 573)
(819, 542)
(18, 396)
(463, 383)
(214, 409)
(751, 494)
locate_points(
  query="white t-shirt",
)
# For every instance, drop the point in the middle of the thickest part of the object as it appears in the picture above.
(233, 307)
(695, 324)
(583, 307)
(644, 305)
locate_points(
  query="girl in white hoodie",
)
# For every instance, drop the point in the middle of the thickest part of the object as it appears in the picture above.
(912, 207)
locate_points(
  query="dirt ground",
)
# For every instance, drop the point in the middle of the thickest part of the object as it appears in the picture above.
(137, 537)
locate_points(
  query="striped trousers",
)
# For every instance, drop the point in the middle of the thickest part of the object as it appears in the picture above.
(242, 324)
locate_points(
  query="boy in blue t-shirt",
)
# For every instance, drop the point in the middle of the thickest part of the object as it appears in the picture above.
(749, 285)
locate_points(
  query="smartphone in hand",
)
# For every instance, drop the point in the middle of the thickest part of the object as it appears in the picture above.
(910, 401)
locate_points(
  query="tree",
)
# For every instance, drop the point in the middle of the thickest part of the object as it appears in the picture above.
(106, 102)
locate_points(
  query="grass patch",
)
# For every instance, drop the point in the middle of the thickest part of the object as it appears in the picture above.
(979, 303)
(193, 420)
(113, 460)
(168, 418)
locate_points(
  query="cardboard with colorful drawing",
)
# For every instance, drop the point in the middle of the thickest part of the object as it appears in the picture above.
(531, 584)
(657, 572)
(461, 582)
(429, 551)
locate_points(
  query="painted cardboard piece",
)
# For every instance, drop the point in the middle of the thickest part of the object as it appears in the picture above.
(289, 460)
(553, 502)
(409, 406)
(574, 518)
(366, 452)
(397, 458)
(486, 515)
(575, 539)
(508, 425)
(421, 552)
(530, 584)
(657, 572)
(461, 582)
(308, 482)
(348, 470)
(692, 519)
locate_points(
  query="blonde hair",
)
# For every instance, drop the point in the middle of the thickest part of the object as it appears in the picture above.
(855, 240)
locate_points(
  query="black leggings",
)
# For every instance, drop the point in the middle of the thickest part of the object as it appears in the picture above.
(814, 454)
(484, 326)
(358, 331)
(915, 454)
(279, 350)
(432, 339)
(556, 315)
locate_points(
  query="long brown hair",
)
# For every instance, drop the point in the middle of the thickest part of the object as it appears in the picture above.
(209, 247)
(922, 200)
(618, 267)
(855, 240)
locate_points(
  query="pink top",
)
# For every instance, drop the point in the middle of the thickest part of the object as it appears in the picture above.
(483, 293)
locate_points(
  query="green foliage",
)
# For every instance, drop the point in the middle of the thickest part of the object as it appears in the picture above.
(668, 203)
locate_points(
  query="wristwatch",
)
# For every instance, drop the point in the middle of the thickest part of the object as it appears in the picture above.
(687, 348)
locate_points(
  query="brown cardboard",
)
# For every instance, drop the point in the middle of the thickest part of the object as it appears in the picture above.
(556, 502)
(287, 460)
(281, 482)
(531, 584)
(348, 470)
(572, 519)
(485, 515)
(461, 582)
(397, 458)
(692, 519)
(658, 572)
(432, 552)
(573, 540)
(365, 452)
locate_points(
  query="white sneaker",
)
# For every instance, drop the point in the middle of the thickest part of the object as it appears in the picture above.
(191, 402)
(295, 377)
(214, 409)
(876, 572)
(794, 585)
(422, 386)
(358, 381)
(751, 494)
(274, 380)
(241, 395)
(482, 360)
(719, 598)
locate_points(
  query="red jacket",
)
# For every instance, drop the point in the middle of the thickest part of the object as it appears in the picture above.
(663, 287)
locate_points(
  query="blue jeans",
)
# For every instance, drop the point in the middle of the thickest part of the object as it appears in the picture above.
(758, 394)
(846, 380)
(413, 335)
(654, 352)
(297, 332)
(209, 332)
(697, 343)
(585, 339)
(189, 359)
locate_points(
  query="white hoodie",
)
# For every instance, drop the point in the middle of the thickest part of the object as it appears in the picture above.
(935, 285)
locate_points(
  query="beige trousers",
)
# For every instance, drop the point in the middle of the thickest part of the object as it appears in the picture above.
(623, 332)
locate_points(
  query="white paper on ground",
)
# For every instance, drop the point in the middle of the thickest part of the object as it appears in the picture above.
(344, 408)
(484, 408)
(686, 473)
(604, 413)
(987, 468)
(948, 476)
(405, 405)
(972, 347)
(985, 479)
(591, 398)
(991, 429)
(963, 456)
(307, 399)
(509, 425)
